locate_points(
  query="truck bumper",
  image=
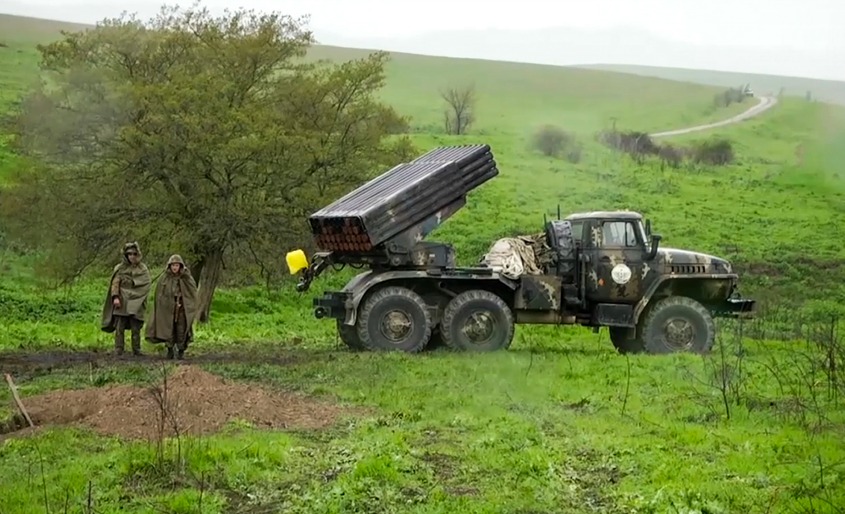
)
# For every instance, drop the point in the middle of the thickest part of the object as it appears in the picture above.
(331, 305)
(736, 308)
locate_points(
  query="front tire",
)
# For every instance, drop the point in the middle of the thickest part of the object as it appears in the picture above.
(625, 343)
(394, 318)
(678, 324)
(478, 321)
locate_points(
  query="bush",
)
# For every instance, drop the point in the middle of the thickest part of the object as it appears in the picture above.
(639, 145)
(553, 141)
(729, 96)
(636, 144)
(716, 152)
(671, 155)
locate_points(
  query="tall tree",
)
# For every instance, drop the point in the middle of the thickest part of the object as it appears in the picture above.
(210, 133)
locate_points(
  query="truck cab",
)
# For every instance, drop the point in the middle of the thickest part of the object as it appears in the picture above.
(615, 273)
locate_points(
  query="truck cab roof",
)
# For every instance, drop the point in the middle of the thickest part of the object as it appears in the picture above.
(624, 215)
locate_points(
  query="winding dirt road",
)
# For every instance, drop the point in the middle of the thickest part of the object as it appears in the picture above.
(764, 104)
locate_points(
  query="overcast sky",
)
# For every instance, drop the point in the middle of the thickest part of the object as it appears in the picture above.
(808, 35)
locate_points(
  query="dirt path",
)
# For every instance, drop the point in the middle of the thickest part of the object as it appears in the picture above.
(764, 104)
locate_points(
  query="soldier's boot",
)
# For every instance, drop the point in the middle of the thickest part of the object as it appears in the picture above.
(136, 342)
(169, 351)
(119, 342)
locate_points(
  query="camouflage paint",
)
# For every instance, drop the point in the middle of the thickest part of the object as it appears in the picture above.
(538, 292)
(617, 270)
(408, 248)
(641, 278)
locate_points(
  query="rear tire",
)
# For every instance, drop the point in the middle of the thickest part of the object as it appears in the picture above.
(479, 321)
(394, 318)
(349, 335)
(678, 324)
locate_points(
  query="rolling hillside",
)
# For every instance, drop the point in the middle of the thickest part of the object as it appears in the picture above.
(558, 423)
(831, 91)
(582, 100)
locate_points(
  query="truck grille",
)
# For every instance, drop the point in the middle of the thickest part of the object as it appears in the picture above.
(688, 269)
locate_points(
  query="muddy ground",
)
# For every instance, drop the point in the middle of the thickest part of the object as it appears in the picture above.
(187, 401)
(190, 401)
(28, 364)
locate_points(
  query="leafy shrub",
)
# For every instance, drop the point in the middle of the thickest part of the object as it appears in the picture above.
(553, 141)
(729, 96)
(716, 152)
(671, 155)
(639, 145)
(636, 144)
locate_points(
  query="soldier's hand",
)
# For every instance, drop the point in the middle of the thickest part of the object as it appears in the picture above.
(116, 302)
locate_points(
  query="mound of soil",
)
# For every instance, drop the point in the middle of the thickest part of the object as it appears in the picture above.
(195, 402)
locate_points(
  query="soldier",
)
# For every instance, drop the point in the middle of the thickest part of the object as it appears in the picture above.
(175, 308)
(126, 300)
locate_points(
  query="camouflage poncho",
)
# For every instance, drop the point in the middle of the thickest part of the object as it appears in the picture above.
(160, 326)
(135, 283)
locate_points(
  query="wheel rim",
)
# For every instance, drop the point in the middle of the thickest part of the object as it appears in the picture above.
(679, 333)
(479, 327)
(396, 325)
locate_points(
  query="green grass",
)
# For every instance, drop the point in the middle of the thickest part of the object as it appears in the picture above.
(832, 91)
(555, 424)
(554, 429)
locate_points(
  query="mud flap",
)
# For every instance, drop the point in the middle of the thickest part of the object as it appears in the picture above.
(735, 308)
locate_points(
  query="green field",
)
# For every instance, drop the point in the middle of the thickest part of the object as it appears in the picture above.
(560, 422)
(831, 91)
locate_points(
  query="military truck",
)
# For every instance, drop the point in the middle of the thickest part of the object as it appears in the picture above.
(598, 269)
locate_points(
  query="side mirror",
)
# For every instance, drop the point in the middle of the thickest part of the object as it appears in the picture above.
(655, 243)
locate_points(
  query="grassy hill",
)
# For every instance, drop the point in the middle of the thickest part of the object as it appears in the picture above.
(579, 99)
(832, 91)
(561, 423)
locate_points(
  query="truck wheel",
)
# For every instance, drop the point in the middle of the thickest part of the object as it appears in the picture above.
(349, 336)
(477, 320)
(678, 323)
(394, 318)
(624, 343)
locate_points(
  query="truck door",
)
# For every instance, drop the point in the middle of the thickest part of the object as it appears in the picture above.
(615, 270)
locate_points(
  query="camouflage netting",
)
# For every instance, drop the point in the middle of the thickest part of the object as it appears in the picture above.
(516, 256)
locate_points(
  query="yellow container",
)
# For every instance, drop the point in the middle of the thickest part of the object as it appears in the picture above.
(297, 261)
